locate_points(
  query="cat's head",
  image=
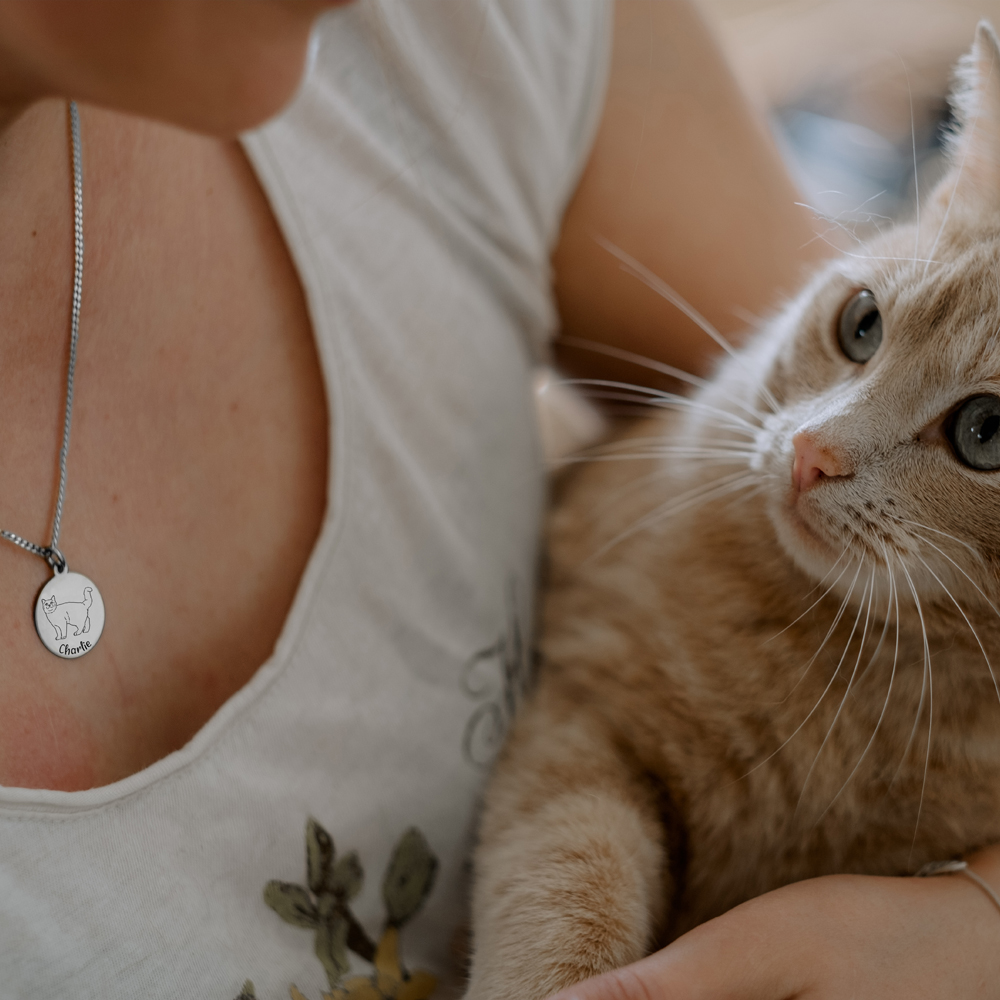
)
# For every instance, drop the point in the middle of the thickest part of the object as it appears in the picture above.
(49, 604)
(881, 383)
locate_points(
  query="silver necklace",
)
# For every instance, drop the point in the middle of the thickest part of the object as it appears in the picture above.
(69, 610)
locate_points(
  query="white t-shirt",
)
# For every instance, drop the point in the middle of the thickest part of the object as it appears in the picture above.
(419, 179)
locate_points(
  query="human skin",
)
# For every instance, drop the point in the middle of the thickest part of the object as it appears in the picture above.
(685, 178)
(197, 478)
(199, 372)
(213, 66)
(841, 937)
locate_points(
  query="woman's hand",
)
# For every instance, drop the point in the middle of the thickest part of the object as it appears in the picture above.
(842, 937)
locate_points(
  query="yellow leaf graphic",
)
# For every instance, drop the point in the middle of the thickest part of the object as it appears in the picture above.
(388, 974)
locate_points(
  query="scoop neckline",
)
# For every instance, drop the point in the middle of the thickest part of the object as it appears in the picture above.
(279, 196)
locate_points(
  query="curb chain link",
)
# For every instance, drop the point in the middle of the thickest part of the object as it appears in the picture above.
(50, 553)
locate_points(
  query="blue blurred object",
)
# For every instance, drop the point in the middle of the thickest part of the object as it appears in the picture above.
(849, 172)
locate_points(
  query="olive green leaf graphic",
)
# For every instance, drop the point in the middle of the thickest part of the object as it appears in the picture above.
(409, 878)
(322, 906)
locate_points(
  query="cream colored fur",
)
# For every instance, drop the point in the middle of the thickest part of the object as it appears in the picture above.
(743, 686)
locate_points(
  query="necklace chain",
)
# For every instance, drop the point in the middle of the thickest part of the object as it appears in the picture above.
(50, 553)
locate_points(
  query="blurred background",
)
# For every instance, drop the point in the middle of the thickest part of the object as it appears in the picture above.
(836, 78)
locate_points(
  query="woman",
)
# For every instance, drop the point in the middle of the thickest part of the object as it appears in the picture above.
(303, 438)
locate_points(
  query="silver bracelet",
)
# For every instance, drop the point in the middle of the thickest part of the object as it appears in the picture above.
(962, 868)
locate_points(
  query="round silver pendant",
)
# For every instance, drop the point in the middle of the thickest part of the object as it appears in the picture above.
(69, 615)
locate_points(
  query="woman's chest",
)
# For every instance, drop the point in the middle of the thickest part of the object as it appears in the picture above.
(197, 473)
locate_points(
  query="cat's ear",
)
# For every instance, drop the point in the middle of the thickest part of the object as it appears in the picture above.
(974, 145)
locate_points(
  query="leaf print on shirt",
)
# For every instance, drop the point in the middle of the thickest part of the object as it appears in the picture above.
(322, 905)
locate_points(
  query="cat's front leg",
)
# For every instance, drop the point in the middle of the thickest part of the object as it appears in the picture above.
(570, 868)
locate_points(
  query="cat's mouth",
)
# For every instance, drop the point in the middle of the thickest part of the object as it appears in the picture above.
(809, 518)
(804, 527)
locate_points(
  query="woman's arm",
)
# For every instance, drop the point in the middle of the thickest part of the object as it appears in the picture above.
(843, 937)
(685, 178)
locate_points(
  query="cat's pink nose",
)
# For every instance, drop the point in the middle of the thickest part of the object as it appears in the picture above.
(814, 462)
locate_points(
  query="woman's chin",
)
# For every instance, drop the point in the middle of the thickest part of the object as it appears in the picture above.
(216, 68)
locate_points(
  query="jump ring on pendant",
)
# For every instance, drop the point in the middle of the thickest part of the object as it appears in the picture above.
(55, 559)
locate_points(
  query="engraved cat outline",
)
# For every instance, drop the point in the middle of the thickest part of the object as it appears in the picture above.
(69, 614)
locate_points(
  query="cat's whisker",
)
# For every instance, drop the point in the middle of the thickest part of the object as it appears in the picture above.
(717, 488)
(636, 359)
(869, 591)
(704, 461)
(609, 447)
(818, 599)
(975, 552)
(798, 728)
(945, 555)
(645, 402)
(638, 270)
(892, 677)
(711, 456)
(927, 685)
(822, 579)
(830, 631)
(837, 224)
(937, 531)
(947, 213)
(639, 483)
(869, 256)
(916, 172)
(854, 211)
(888, 614)
(657, 450)
(714, 419)
(923, 686)
(961, 611)
(654, 397)
(869, 216)
(712, 490)
(658, 445)
(633, 486)
(743, 454)
(968, 130)
(885, 625)
(824, 236)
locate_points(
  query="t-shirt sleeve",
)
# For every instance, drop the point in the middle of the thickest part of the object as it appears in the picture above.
(480, 114)
(566, 54)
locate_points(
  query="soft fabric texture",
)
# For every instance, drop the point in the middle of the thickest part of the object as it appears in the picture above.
(419, 179)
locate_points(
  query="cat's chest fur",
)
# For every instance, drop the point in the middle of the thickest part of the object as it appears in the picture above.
(791, 732)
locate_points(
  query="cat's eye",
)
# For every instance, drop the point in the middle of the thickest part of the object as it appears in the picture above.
(974, 432)
(859, 329)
